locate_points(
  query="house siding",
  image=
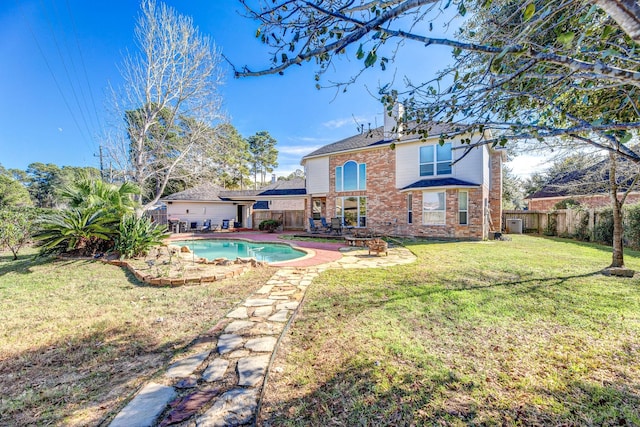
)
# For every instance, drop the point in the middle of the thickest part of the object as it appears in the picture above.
(285, 204)
(317, 177)
(201, 211)
(408, 158)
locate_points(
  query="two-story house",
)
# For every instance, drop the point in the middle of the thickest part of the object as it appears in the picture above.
(399, 184)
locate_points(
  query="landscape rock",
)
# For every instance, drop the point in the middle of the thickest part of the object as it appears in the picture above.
(261, 344)
(233, 408)
(146, 406)
(619, 272)
(216, 370)
(228, 342)
(185, 407)
(185, 367)
(251, 370)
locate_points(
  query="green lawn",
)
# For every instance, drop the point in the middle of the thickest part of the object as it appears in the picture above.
(521, 332)
(78, 337)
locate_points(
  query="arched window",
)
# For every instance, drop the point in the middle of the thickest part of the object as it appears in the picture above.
(351, 176)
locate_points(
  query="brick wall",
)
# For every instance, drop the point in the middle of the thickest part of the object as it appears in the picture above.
(596, 201)
(495, 190)
(387, 210)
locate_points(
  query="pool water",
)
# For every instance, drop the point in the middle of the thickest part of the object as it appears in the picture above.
(232, 249)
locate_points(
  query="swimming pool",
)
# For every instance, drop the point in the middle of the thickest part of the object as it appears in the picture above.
(232, 249)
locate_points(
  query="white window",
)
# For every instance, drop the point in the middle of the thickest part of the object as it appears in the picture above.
(433, 208)
(352, 211)
(351, 176)
(463, 207)
(435, 159)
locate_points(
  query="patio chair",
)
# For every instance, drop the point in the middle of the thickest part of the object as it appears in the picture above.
(312, 227)
(325, 225)
(336, 226)
(206, 226)
(225, 224)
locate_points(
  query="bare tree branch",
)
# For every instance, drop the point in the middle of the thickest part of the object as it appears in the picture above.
(626, 13)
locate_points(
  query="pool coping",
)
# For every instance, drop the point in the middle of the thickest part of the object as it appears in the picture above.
(307, 252)
(317, 253)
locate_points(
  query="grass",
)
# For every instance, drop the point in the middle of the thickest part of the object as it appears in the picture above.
(521, 332)
(78, 337)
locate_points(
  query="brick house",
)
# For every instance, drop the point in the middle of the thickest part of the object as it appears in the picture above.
(589, 187)
(399, 184)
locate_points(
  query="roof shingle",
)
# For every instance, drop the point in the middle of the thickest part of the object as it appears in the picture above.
(439, 182)
(375, 137)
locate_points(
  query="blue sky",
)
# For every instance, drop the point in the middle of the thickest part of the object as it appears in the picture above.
(59, 56)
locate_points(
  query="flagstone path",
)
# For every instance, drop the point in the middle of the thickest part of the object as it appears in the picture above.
(220, 381)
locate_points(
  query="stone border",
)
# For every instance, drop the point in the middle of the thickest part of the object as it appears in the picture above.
(180, 281)
(309, 253)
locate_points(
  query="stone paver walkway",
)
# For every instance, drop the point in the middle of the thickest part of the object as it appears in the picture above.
(220, 382)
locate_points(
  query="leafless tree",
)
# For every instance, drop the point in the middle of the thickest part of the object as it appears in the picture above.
(169, 101)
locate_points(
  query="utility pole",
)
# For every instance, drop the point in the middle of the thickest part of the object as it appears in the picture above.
(101, 162)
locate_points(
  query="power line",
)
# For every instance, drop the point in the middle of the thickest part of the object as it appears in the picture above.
(75, 80)
(46, 61)
(82, 62)
(64, 66)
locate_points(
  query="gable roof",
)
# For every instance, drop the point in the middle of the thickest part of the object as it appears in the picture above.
(293, 187)
(375, 137)
(213, 193)
(587, 181)
(203, 193)
(560, 185)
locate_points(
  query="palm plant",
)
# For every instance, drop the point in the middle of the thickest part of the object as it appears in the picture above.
(92, 193)
(137, 235)
(84, 231)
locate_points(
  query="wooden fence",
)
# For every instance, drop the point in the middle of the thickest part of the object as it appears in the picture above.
(562, 222)
(291, 220)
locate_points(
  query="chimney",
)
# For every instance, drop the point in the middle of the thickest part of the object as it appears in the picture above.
(393, 129)
(273, 178)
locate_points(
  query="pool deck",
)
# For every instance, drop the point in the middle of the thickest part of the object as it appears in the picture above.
(321, 252)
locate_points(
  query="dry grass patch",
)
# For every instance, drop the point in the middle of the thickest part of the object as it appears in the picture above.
(525, 332)
(78, 337)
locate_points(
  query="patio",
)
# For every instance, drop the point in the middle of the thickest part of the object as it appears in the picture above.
(321, 253)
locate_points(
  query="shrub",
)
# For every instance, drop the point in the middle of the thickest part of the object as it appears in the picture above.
(137, 235)
(80, 231)
(269, 225)
(603, 229)
(16, 227)
(552, 225)
(582, 230)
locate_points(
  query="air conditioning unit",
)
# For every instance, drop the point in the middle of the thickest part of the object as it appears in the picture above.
(514, 226)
